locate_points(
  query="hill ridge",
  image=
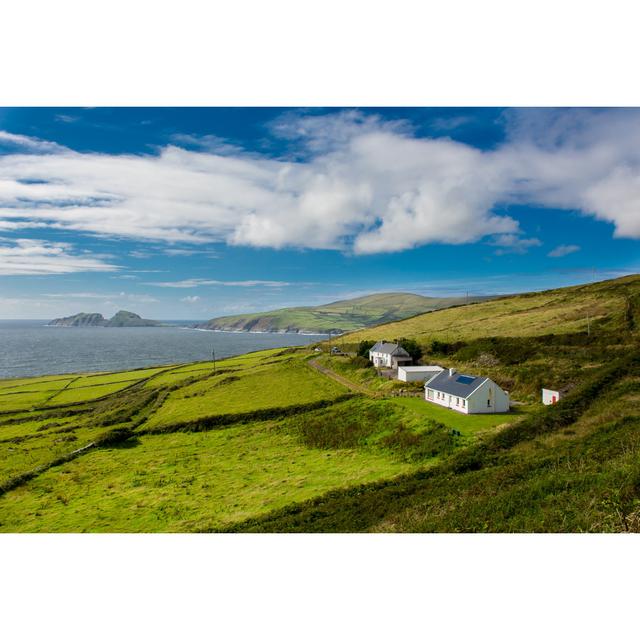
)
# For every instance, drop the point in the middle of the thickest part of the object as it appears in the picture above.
(338, 316)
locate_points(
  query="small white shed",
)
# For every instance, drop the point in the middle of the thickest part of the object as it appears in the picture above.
(418, 374)
(550, 396)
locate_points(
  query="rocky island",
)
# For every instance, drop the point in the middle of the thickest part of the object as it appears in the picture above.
(120, 319)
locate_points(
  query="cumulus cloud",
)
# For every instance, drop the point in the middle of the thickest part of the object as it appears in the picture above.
(37, 257)
(563, 250)
(353, 182)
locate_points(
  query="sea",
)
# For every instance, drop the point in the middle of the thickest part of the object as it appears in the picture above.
(31, 348)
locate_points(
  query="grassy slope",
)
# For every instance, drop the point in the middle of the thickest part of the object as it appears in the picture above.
(155, 481)
(181, 482)
(571, 467)
(344, 315)
(556, 311)
(237, 461)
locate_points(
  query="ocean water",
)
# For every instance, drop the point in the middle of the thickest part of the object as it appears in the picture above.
(30, 348)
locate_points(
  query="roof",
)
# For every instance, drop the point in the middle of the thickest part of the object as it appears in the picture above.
(458, 384)
(389, 347)
(434, 368)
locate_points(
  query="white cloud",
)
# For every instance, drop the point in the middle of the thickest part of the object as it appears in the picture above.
(88, 295)
(67, 119)
(199, 282)
(512, 243)
(209, 143)
(189, 252)
(37, 257)
(191, 299)
(563, 250)
(81, 295)
(357, 184)
(27, 144)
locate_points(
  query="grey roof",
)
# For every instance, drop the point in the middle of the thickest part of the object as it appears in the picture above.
(454, 385)
(389, 347)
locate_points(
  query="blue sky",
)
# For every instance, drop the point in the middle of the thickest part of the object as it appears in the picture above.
(194, 213)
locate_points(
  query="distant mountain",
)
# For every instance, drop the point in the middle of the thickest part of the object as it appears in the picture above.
(341, 316)
(121, 319)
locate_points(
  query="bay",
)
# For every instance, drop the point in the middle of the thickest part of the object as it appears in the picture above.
(30, 348)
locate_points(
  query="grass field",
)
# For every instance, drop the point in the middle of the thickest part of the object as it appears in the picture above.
(267, 443)
(241, 392)
(187, 482)
(468, 425)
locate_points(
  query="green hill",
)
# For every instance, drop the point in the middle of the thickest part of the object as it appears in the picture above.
(337, 317)
(603, 306)
(266, 442)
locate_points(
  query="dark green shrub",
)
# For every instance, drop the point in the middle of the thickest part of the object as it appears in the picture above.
(343, 426)
(363, 348)
(413, 446)
(411, 347)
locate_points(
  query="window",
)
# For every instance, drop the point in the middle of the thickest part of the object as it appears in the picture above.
(464, 402)
(489, 402)
(457, 401)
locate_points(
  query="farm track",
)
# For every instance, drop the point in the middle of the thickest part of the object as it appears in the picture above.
(354, 386)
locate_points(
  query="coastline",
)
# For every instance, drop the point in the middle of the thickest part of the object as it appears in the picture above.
(296, 333)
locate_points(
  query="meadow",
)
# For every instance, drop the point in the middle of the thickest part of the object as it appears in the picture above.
(266, 442)
(135, 477)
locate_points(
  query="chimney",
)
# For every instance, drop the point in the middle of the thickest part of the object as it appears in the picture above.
(451, 372)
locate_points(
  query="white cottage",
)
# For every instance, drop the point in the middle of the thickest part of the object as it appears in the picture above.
(388, 354)
(466, 394)
(418, 374)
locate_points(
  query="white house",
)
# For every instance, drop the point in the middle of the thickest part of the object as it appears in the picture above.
(388, 354)
(549, 396)
(418, 374)
(466, 394)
